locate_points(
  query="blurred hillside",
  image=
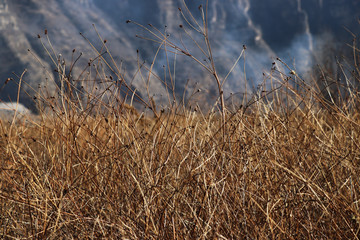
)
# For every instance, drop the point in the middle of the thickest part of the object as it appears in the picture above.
(296, 31)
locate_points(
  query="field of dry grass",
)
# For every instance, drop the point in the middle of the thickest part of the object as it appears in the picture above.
(283, 165)
(281, 172)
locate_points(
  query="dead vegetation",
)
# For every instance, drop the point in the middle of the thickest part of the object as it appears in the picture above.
(284, 165)
(277, 174)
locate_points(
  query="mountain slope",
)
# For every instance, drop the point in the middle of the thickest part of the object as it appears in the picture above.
(289, 29)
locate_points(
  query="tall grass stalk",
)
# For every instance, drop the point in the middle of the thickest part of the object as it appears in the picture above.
(205, 48)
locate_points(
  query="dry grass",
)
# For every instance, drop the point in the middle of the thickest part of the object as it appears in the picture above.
(284, 165)
(279, 174)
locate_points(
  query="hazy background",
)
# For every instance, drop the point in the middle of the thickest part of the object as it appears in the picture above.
(301, 32)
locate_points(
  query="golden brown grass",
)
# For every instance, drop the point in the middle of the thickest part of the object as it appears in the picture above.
(284, 165)
(277, 175)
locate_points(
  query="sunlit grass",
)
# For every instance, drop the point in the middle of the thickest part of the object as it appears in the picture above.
(284, 164)
(277, 174)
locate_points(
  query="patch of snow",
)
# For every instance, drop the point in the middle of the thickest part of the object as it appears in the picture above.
(8, 109)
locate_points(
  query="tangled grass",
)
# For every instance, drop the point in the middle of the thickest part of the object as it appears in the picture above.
(284, 165)
(279, 173)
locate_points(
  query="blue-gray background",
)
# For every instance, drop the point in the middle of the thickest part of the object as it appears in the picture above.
(302, 32)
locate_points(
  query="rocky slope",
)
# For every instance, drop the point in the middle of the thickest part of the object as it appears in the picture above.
(290, 29)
